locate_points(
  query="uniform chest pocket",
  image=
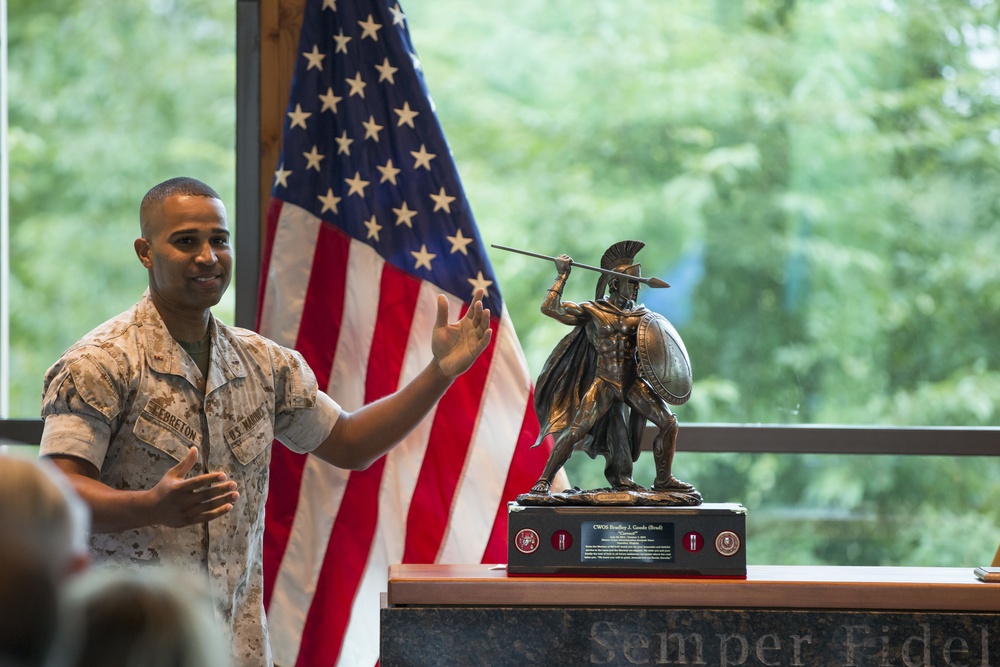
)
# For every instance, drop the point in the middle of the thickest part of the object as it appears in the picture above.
(166, 432)
(251, 435)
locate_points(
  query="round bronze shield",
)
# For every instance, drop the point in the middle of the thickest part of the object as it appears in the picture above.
(663, 359)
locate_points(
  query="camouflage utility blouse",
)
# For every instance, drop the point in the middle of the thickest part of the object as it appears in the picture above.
(126, 398)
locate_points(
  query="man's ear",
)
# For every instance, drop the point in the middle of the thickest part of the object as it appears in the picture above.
(142, 252)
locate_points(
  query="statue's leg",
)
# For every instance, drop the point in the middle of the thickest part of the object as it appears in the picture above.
(593, 404)
(561, 451)
(655, 409)
(664, 447)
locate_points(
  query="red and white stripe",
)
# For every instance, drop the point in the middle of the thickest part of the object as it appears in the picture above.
(440, 496)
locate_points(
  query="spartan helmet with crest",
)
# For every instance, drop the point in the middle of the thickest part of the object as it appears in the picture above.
(621, 258)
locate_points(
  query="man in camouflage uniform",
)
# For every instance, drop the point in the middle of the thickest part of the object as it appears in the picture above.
(163, 417)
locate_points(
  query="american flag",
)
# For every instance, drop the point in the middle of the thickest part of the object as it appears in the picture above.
(368, 222)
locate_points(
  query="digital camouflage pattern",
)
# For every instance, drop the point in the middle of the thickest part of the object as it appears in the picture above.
(126, 398)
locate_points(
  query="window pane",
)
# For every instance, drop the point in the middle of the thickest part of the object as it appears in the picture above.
(815, 509)
(818, 181)
(106, 100)
(812, 509)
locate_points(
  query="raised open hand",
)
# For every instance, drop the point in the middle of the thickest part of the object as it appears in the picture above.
(457, 344)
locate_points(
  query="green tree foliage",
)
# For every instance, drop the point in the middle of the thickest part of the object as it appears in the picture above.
(830, 167)
(106, 100)
(818, 181)
(816, 178)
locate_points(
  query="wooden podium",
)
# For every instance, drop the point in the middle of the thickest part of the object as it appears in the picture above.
(778, 615)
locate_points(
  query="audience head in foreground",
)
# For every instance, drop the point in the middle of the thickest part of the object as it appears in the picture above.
(149, 618)
(39, 508)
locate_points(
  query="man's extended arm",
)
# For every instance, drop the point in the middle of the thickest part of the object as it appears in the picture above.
(359, 438)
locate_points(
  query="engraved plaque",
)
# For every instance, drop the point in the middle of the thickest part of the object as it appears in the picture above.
(626, 541)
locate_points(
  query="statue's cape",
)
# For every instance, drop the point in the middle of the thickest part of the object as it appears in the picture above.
(565, 378)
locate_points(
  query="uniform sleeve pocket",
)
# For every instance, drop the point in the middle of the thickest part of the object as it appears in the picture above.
(96, 386)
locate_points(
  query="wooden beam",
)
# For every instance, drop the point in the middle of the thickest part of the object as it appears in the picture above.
(280, 23)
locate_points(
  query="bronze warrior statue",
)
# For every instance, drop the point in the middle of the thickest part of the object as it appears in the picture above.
(601, 384)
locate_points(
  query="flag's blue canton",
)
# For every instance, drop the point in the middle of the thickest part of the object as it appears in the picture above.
(363, 149)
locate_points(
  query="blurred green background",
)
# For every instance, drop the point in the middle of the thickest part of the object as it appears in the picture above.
(817, 179)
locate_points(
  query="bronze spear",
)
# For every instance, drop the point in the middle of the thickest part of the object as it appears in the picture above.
(652, 282)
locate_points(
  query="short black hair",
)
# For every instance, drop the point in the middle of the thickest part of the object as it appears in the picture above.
(181, 185)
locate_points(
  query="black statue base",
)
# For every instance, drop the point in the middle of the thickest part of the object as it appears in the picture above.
(703, 540)
(635, 497)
